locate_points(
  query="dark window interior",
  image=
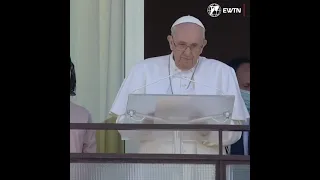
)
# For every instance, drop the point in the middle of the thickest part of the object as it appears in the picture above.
(228, 35)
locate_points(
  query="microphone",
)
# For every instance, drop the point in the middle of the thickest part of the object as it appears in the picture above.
(219, 90)
(154, 82)
(174, 75)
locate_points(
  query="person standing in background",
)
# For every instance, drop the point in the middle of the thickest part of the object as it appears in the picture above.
(242, 69)
(81, 141)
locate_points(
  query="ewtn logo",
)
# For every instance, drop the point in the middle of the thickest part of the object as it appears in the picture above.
(214, 10)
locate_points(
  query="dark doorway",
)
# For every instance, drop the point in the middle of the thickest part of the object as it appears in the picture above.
(228, 35)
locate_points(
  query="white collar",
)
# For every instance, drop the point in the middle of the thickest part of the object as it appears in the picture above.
(174, 68)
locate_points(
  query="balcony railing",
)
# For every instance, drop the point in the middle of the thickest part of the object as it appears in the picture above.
(220, 161)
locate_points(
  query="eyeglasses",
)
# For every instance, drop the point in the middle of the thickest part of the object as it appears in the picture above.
(193, 47)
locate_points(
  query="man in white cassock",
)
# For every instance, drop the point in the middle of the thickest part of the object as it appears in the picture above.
(186, 41)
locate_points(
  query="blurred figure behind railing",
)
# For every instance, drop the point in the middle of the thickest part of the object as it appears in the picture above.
(242, 68)
(82, 140)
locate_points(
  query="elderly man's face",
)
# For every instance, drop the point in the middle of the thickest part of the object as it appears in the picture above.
(243, 75)
(187, 44)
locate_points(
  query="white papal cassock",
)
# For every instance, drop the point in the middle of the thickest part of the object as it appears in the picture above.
(208, 73)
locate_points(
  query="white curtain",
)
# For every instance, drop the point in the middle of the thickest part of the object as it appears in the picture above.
(96, 47)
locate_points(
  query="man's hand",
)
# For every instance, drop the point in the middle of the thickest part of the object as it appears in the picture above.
(202, 133)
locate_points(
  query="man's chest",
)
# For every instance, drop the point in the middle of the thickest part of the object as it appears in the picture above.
(183, 83)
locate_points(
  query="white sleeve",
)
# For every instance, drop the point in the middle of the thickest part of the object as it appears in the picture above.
(240, 111)
(240, 114)
(228, 137)
(134, 80)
